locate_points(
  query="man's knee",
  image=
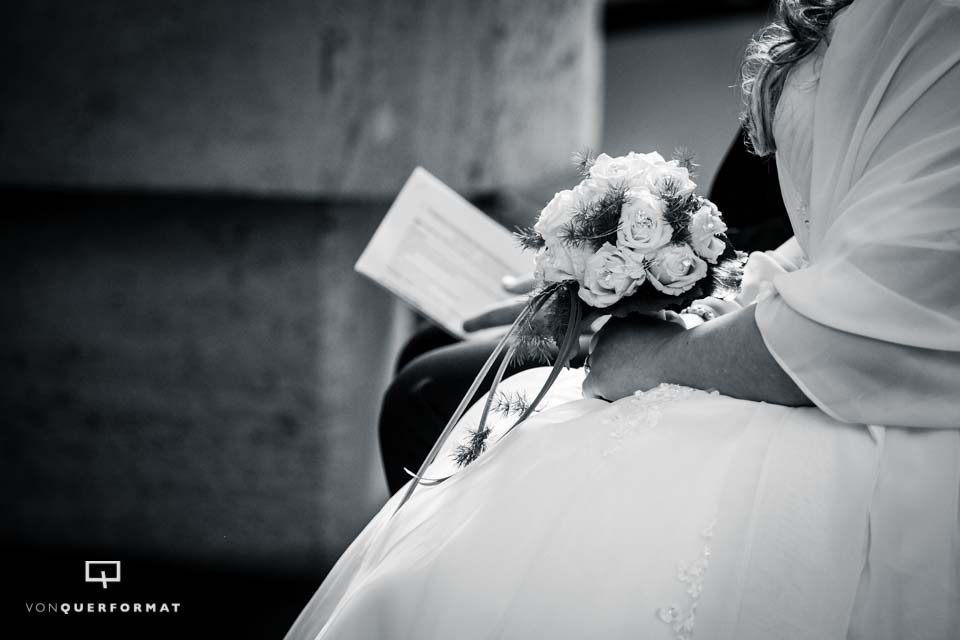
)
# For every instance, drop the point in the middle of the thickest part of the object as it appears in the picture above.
(410, 419)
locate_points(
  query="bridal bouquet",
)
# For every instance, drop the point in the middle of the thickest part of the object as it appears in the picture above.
(631, 237)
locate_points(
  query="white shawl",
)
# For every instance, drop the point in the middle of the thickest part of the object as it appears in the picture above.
(871, 329)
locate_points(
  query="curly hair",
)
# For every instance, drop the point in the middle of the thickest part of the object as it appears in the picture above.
(798, 29)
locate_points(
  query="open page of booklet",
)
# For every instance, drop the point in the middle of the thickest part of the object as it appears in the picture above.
(440, 254)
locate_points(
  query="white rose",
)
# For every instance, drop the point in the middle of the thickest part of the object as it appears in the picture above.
(675, 269)
(606, 168)
(557, 213)
(590, 190)
(611, 274)
(642, 226)
(556, 262)
(705, 225)
(676, 174)
(631, 171)
(651, 159)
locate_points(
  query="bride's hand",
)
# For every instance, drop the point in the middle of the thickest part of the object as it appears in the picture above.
(624, 356)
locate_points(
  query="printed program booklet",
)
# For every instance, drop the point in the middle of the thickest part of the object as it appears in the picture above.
(440, 254)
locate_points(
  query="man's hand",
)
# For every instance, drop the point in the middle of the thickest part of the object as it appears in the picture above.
(625, 356)
(503, 313)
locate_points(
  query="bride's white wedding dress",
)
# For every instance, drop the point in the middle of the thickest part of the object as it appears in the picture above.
(678, 510)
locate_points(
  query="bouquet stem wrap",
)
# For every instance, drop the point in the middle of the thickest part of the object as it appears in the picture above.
(505, 352)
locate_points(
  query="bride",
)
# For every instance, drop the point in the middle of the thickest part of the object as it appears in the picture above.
(799, 476)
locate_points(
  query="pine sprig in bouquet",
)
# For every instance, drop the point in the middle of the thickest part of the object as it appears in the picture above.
(631, 237)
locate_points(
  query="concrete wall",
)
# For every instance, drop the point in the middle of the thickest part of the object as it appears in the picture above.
(170, 382)
(310, 97)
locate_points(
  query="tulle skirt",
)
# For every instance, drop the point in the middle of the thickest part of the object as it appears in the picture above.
(665, 514)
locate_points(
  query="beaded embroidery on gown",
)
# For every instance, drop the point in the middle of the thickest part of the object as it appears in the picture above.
(678, 511)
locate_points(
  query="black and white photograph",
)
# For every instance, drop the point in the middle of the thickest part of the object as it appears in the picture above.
(480, 319)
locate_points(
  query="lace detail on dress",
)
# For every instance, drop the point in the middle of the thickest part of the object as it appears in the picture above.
(642, 413)
(802, 208)
(691, 574)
